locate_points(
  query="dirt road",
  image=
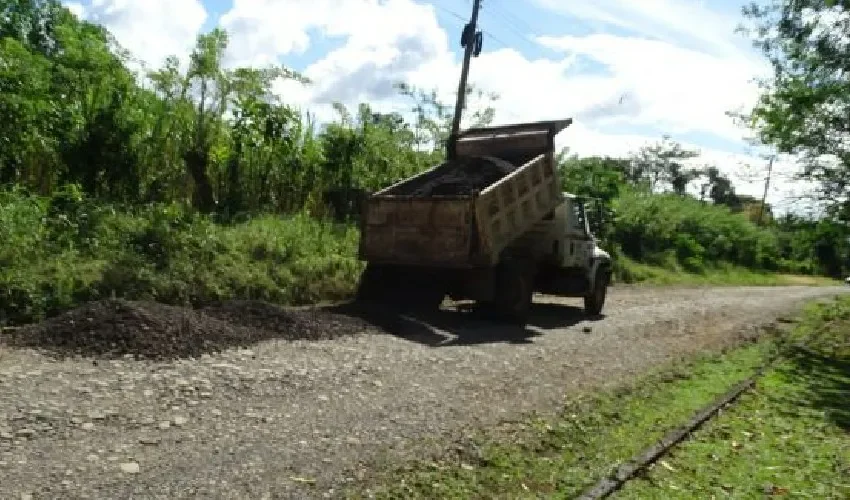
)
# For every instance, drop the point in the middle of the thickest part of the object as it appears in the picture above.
(298, 419)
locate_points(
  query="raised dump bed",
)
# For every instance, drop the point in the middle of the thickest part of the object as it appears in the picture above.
(464, 212)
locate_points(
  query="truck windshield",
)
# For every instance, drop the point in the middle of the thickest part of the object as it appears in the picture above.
(579, 221)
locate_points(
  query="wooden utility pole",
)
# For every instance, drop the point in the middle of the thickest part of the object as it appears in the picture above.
(471, 42)
(766, 185)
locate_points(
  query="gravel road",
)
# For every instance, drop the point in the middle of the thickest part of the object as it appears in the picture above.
(296, 419)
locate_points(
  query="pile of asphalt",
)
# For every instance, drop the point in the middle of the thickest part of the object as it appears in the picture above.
(461, 176)
(149, 330)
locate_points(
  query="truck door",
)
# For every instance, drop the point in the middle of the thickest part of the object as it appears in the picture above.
(575, 251)
(581, 235)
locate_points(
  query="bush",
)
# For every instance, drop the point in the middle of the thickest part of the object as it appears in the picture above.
(649, 226)
(58, 252)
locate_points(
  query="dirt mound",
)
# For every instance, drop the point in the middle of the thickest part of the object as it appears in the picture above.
(462, 176)
(148, 330)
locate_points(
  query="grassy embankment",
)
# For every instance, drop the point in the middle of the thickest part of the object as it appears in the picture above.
(787, 436)
(56, 253)
(719, 275)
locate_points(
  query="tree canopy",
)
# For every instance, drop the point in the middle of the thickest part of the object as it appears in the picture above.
(805, 106)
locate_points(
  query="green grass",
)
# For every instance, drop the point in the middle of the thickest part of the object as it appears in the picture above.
(632, 272)
(792, 433)
(790, 436)
(51, 262)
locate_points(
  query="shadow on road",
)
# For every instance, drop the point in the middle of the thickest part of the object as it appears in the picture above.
(463, 325)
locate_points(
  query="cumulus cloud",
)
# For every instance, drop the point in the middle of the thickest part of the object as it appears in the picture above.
(682, 90)
(689, 23)
(151, 29)
(76, 8)
(262, 31)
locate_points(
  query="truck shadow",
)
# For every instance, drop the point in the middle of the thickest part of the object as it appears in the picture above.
(466, 326)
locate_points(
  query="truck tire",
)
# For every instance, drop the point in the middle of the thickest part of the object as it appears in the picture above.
(594, 301)
(373, 286)
(400, 288)
(514, 292)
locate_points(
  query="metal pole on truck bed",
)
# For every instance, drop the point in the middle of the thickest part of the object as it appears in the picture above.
(471, 41)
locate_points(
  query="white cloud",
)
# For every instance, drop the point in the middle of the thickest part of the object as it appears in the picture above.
(684, 22)
(76, 8)
(678, 89)
(377, 27)
(151, 29)
(385, 42)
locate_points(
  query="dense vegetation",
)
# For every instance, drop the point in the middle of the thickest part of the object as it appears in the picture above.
(196, 181)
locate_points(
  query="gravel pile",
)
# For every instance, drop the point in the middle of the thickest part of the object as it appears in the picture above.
(461, 176)
(149, 330)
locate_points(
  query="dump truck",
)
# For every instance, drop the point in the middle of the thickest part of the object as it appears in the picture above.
(491, 225)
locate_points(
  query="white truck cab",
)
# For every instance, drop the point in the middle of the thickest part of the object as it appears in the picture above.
(570, 261)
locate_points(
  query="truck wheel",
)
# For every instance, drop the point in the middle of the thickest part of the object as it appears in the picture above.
(372, 286)
(594, 302)
(426, 297)
(399, 288)
(514, 293)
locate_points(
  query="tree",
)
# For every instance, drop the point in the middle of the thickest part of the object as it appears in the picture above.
(718, 188)
(805, 107)
(662, 165)
(434, 117)
(65, 97)
(598, 178)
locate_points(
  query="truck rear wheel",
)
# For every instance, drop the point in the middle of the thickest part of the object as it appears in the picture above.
(514, 292)
(400, 288)
(594, 301)
(373, 286)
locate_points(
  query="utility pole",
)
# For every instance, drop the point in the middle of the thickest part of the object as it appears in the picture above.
(766, 185)
(470, 40)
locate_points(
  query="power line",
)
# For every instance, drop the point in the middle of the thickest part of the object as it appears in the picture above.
(504, 19)
(511, 18)
(463, 20)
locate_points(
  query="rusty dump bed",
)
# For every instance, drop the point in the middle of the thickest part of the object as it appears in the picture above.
(463, 212)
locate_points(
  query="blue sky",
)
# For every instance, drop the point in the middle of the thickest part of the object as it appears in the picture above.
(627, 71)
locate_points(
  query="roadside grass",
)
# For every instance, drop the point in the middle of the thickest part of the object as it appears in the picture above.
(631, 272)
(561, 457)
(50, 263)
(789, 436)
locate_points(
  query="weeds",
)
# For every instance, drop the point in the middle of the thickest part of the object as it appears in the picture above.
(53, 260)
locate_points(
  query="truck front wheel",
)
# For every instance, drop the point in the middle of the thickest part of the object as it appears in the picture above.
(595, 300)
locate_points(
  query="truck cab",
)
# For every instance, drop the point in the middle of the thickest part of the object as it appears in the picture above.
(570, 262)
(574, 244)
